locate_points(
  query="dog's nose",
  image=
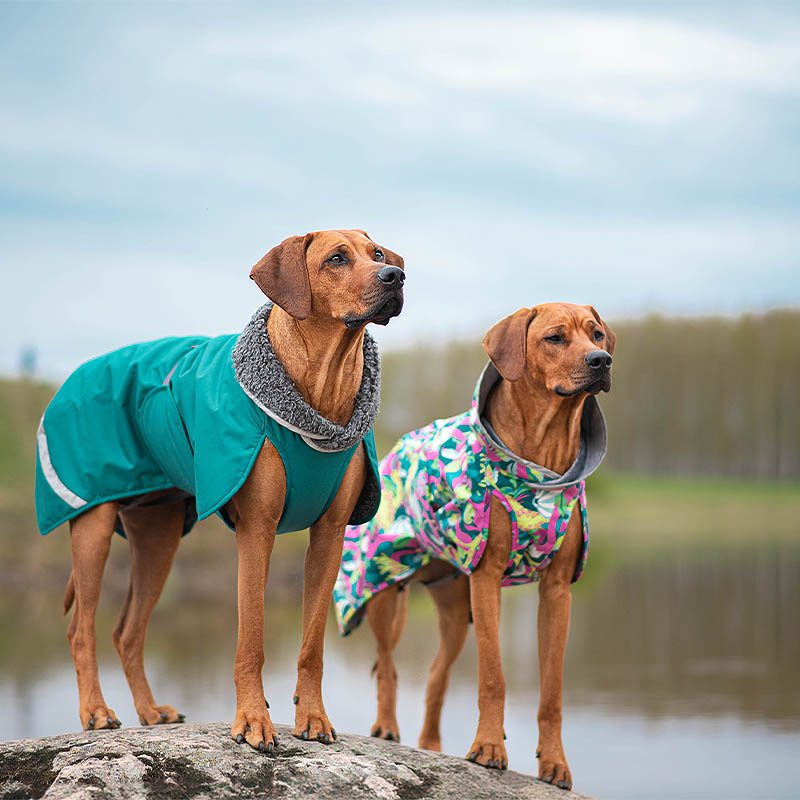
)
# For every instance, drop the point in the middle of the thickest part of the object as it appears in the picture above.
(598, 359)
(391, 276)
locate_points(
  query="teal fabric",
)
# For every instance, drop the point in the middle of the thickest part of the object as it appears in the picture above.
(118, 428)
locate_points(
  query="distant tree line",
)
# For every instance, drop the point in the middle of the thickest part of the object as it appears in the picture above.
(692, 396)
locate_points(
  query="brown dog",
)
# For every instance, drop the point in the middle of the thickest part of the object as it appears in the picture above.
(550, 359)
(326, 287)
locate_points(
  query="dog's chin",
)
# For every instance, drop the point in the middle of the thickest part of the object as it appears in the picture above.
(593, 387)
(380, 313)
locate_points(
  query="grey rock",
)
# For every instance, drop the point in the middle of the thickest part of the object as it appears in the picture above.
(202, 761)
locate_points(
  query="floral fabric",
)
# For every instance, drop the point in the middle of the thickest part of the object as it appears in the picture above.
(436, 490)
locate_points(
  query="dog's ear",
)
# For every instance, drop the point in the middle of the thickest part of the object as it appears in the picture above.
(283, 276)
(505, 342)
(391, 258)
(611, 338)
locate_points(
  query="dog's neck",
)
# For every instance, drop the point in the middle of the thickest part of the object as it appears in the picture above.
(324, 359)
(535, 423)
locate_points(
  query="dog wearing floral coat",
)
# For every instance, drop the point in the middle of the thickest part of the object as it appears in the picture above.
(444, 487)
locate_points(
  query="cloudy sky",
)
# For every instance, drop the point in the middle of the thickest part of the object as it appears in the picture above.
(637, 156)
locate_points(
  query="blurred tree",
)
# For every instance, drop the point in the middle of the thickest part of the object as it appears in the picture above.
(711, 395)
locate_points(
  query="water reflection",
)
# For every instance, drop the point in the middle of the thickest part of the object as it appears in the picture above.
(674, 658)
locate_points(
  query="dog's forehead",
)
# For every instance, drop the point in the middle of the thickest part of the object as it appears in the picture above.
(566, 314)
(332, 238)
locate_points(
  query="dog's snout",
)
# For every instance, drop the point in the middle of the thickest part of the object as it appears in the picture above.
(598, 359)
(391, 276)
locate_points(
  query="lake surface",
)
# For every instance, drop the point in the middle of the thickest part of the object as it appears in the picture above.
(682, 676)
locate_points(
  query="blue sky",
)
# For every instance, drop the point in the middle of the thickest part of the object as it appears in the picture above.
(637, 156)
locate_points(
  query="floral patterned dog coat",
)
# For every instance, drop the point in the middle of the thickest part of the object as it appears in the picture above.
(436, 490)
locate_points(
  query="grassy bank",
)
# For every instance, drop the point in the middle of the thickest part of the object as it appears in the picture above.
(635, 511)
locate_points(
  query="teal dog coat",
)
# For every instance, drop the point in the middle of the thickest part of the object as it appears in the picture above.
(193, 413)
(437, 487)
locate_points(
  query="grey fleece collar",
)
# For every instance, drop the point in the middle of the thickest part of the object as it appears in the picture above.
(594, 437)
(264, 380)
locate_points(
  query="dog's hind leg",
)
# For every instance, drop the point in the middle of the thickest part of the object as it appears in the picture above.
(452, 606)
(154, 533)
(387, 612)
(91, 534)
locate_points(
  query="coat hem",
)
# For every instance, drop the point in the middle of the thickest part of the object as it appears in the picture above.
(76, 512)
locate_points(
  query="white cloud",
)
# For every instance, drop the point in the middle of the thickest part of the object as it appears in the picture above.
(634, 68)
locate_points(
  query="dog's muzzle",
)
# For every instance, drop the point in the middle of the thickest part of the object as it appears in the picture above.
(388, 298)
(596, 375)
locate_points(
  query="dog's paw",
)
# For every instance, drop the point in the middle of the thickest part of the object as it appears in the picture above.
(553, 769)
(98, 717)
(255, 727)
(311, 722)
(159, 715)
(488, 753)
(386, 729)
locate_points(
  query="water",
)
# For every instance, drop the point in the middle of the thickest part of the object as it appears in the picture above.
(681, 677)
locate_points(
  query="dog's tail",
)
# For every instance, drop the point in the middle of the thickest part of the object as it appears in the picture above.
(69, 595)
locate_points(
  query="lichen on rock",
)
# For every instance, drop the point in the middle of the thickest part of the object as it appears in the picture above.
(202, 761)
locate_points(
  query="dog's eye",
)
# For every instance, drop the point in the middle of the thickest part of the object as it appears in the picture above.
(598, 335)
(336, 258)
(556, 338)
(379, 255)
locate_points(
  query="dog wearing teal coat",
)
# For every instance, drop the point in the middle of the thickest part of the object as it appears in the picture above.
(270, 428)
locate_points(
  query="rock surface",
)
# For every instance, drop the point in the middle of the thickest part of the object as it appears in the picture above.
(202, 761)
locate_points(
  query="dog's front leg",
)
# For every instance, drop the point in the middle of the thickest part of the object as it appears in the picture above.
(321, 567)
(488, 748)
(554, 612)
(256, 510)
(252, 722)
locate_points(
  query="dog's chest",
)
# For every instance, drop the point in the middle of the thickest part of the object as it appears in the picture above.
(450, 478)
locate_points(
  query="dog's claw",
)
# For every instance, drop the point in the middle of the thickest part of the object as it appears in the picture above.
(181, 717)
(538, 754)
(239, 739)
(296, 699)
(90, 723)
(270, 747)
(562, 785)
(163, 717)
(333, 733)
(305, 734)
(472, 756)
(262, 747)
(266, 701)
